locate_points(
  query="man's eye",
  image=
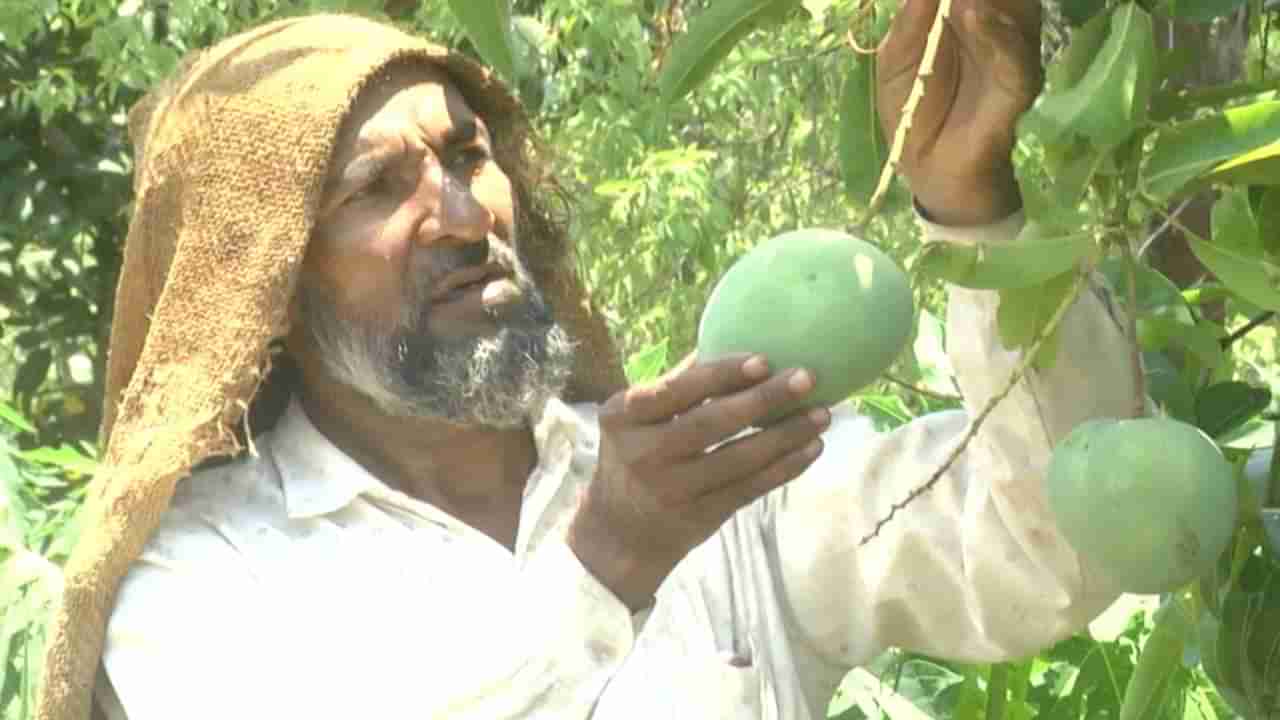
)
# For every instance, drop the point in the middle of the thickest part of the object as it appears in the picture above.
(373, 188)
(469, 159)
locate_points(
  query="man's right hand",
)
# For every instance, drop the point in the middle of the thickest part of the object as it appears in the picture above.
(658, 493)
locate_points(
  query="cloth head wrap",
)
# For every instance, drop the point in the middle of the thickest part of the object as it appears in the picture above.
(231, 154)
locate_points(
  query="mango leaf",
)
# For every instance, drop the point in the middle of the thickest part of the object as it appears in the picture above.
(15, 418)
(1024, 312)
(863, 151)
(1203, 10)
(1167, 387)
(13, 505)
(1158, 332)
(33, 371)
(63, 457)
(1156, 294)
(1239, 144)
(1265, 202)
(1073, 62)
(1040, 252)
(711, 36)
(1111, 99)
(1256, 167)
(1223, 407)
(488, 25)
(1236, 256)
(647, 364)
(1078, 12)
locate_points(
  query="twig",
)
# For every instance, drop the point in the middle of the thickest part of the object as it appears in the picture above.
(1151, 239)
(866, 9)
(1019, 370)
(1135, 350)
(909, 110)
(919, 390)
(1246, 328)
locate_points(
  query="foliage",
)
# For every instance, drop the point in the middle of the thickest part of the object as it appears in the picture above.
(686, 131)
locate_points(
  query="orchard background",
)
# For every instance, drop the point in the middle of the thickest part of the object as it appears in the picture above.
(684, 132)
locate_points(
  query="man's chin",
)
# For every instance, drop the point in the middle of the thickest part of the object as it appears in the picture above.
(498, 380)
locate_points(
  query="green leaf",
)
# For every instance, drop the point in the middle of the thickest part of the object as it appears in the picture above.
(1167, 387)
(488, 25)
(1078, 12)
(13, 506)
(1203, 10)
(1111, 99)
(1239, 144)
(1265, 202)
(1158, 332)
(1236, 255)
(863, 151)
(1024, 313)
(33, 371)
(647, 364)
(1256, 167)
(13, 417)
(1156, 294)
(1040, 252)
(64, 457)
(1226, 406)
(711, 36)
(1157, 681)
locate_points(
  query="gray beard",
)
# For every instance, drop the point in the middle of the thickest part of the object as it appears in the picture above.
(499, 381)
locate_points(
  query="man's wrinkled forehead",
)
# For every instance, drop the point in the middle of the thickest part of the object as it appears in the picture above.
(437, 88)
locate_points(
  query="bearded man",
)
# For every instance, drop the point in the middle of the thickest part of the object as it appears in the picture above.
(460, 511)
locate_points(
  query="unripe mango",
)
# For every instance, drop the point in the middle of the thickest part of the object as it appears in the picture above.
(818, 299)
(1150, 502)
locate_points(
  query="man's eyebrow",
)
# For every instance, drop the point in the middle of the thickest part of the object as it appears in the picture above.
(364, 167)
(463, 133)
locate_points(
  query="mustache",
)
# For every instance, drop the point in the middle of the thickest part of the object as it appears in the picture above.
(431, 266)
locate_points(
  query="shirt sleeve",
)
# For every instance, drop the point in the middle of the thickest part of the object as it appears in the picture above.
(975, 569)
(199, 633)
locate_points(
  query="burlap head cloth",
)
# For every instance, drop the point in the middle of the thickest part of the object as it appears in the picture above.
(232, 154)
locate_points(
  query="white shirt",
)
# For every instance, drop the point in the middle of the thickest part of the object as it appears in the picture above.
(294, 584)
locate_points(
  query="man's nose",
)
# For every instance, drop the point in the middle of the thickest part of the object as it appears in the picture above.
(458, 218)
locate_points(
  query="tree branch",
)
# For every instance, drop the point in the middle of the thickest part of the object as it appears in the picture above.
(909, 110)
(1019, 371)
(1246, 328)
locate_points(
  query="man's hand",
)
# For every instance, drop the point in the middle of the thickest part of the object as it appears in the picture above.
(986, 74)
(658, 492)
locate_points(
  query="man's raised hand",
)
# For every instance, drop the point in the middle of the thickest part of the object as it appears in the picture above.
(660, 490)
(957, 158)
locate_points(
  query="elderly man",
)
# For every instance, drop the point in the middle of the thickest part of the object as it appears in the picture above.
(429, 529)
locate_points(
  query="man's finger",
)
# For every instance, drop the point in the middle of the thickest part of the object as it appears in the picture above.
(743, 458)
(1014, 60)
(734, 496)
(904, 44)
(690, 385)
(693, 432)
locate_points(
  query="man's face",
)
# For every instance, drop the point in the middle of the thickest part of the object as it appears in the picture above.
(411, 291)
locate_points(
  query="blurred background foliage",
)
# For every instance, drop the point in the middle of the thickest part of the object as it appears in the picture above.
(664, 198)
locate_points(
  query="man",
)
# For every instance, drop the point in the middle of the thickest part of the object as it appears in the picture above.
(428, 530)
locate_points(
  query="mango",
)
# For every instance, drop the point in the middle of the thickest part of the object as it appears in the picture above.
(1151, 502)
(814, 298)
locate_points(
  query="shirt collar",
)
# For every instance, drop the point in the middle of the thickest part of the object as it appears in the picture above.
(318, 478)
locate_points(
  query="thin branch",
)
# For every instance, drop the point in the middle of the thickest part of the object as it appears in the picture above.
(1019, 371)
(1246, 328)
(909, 110)
(1135, 349)
(919, 390)
(1151, 239)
